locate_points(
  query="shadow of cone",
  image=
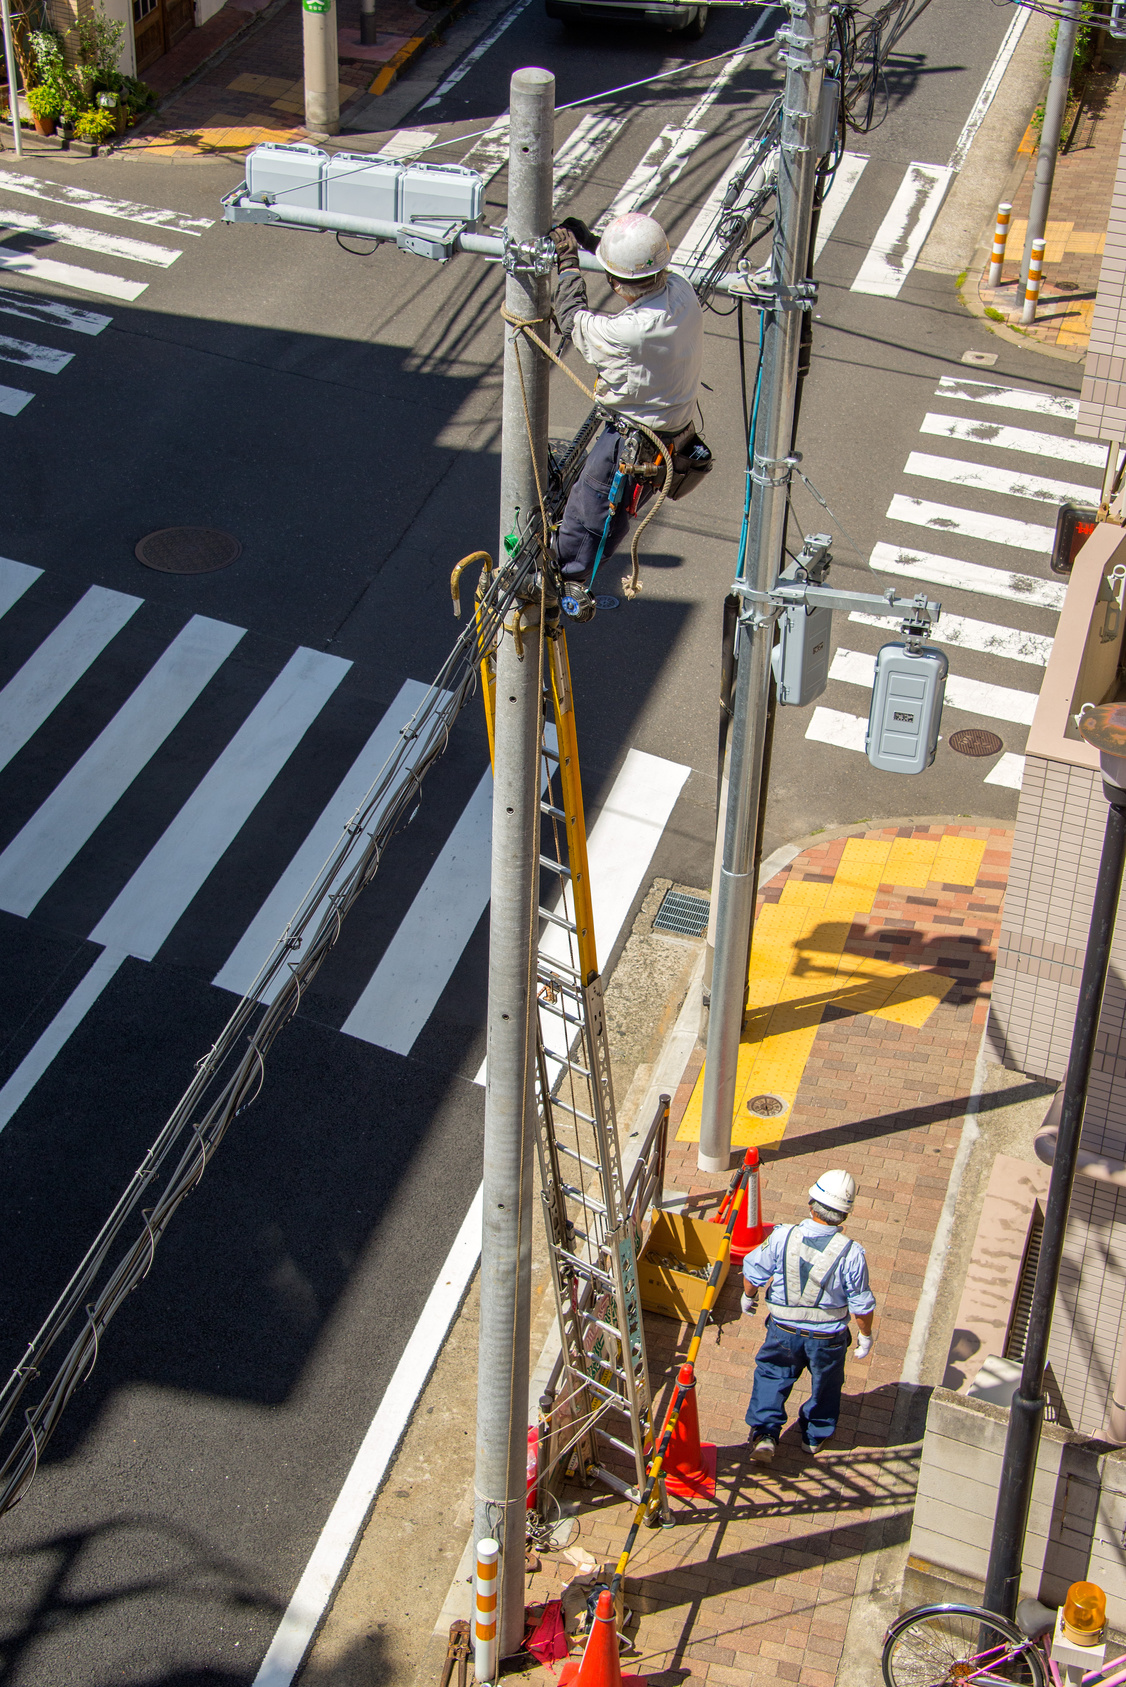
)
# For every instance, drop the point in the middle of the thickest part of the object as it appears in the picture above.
(690, 1465)
(748, 1233)
(600, 1664)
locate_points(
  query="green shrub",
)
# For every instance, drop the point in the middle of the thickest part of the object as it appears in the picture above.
(95, 126)
(45, 101)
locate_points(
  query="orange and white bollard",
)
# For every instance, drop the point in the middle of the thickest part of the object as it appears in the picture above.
(485, 1616)
(1000, 236)
(1032, 290)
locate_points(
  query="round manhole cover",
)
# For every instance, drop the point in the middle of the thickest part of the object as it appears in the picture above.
(188, 550)
(975, 741)
(766, 1106)
(607, 602)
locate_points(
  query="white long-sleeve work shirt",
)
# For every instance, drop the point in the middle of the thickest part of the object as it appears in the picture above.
(649, 356)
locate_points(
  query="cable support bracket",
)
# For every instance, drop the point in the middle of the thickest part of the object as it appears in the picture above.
(767, 293)
(761, 476)
(917, 613)
(536, 256)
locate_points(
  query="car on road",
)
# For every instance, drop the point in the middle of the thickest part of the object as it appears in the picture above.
(661, 14)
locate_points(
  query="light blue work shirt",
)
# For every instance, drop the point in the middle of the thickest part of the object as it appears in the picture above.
(846, 1285)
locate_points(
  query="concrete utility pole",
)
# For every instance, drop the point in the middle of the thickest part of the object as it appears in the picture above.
(322, 67)
(506, 1242)
(805, 44)
(13, 85)
(1054, 107)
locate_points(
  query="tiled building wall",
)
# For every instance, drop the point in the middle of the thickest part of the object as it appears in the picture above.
(1087, 1322)
(1102, 405)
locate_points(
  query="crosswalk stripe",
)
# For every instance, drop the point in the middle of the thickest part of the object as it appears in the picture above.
(489, 155)
(972, 524)
(1008, 771)
(1008, 398)
(71, 275)
(849, 171)
(57, 664)
(69, 1017)
(967, 576)
(174, 870)
(997, 702)
(986, 636)
(101, 205)
(1028, 440)
(900, 237)
(415, 968)
(15, 578)
(592, 136)
(247, 958)
(42, 851)
(13, 400)
(92, 239)
(664, 159)
(834, 726)
(693, 251)
(52, 312)
(958, 472)
(28, 355)
(406, 144)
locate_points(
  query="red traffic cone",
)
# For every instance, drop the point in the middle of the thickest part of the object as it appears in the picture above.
(600, 1664)
(690, 1464)
(749, 1231)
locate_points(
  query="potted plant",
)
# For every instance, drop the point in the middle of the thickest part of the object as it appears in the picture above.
(46, 107)
(94, 128)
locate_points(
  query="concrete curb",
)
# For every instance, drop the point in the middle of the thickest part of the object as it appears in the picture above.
(417, 44)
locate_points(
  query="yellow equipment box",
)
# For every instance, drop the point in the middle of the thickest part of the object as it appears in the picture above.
(673, 1267)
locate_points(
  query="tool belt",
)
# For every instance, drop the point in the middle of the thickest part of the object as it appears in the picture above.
(691, 459)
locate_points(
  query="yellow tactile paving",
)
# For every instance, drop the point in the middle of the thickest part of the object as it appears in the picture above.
(799, 966)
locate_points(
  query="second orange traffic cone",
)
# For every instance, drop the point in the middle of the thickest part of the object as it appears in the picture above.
(690, 1463)
(749, 1230)
(600, 1664)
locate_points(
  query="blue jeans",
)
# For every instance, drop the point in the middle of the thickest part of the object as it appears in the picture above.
(779, 1363)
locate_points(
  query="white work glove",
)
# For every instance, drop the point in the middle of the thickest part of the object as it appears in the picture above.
(749, 1303)
(864, 1346)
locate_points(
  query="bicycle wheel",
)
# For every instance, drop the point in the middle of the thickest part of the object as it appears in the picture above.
(944, 1645)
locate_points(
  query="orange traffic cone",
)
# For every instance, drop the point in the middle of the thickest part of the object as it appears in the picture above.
(690, 1464)
(749, 1231)
(600, 1664)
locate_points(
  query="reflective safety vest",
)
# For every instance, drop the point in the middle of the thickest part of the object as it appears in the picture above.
(803, 1306)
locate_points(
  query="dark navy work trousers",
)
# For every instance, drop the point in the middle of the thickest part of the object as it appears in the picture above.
(585, 515)
(779, 1363)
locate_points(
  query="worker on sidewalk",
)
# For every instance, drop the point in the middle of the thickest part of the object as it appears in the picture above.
(649, 357)
(817, 1277)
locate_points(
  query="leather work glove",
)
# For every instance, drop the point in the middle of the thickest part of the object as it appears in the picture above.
(864, 1346)
(566, 248)
(749, 1303)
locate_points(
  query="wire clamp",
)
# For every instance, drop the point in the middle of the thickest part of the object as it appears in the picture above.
(528, 257)
(767, 293)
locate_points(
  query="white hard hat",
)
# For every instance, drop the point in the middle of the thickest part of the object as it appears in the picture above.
(633, 247)
(835, 1190)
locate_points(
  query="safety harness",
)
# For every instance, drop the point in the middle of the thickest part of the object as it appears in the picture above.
(803, 1306)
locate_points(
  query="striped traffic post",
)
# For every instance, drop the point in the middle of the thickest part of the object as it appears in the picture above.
(1000, 236)
(485, 1616)
(1032, 290)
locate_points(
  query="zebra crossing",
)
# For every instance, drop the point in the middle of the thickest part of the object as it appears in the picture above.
(27, 231)
(403, 984)
(1014, 545)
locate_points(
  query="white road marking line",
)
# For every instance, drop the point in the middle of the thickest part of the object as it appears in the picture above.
(665, 158)
(51, 311)
(43, 849)
(69, 1017)
(968, 576)
(489, 155)
(1008, 771)
(417, 964)
(620, 847)
(900, 236)
(174, 870)
(986, 636)
(1010, 484)
(465, 65)
(348, 1516)
(849, 171)
(30, 356)
(592, 136)
(1008, 398)
(972, 524)
(696, 249)
(1028, 440)
(833, 726)
(92, 239)
(101, 205)
(257, 943)
(70, 275)
(15, 578)
(996, 702)
(58, 663)
(13, 400)
(407, 143)
(989, 87)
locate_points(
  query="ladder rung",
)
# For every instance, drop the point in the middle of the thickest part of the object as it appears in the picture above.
(605, 1393)
(560, 1013)
(586, 1201)
(551, 755)
(556, 813)
(573, 1154)
(555, 866)
(584, 1267)
(555, 920)
(571, 1066)
(622, 1446)
(575, 1112)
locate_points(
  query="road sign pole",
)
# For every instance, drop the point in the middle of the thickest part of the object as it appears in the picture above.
(805, 43)
(506, 1242)
(13, 86)
(322, 67)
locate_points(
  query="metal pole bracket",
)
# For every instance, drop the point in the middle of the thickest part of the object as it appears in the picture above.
(528, 257)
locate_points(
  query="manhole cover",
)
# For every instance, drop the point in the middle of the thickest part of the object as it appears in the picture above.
(607, 603)
(974, 741)
(188, 550)
(766, 1106)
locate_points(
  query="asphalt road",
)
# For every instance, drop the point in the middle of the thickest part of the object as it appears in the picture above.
(339, 414)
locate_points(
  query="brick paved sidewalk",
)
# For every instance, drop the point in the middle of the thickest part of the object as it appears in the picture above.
(757, 1585)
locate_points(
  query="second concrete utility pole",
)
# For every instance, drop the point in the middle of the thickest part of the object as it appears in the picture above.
(1055, 106)
(322, 68)
(509, 1208)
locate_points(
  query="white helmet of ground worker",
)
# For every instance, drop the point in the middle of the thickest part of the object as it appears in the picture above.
(835, 1190)
(633, 247)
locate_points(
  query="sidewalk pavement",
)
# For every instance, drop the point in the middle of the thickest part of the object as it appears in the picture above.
(1076, 229)
(870, 982)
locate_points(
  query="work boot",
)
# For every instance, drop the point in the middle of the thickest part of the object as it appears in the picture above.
(763, 1447)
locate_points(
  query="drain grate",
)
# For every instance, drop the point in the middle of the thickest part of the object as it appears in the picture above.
(973, 741)
(188, 550)
(687, 916)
